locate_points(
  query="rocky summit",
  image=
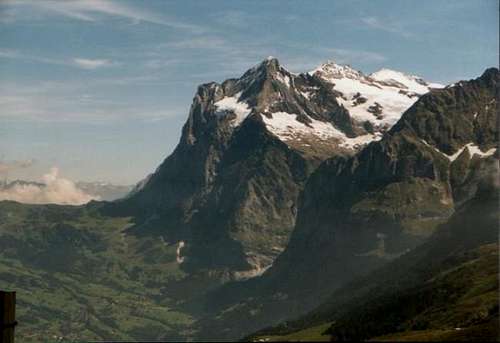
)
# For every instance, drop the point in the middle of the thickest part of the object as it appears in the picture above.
(229, 192)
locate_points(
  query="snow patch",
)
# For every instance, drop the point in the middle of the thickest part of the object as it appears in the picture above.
(412, 82)
(332, 70)
(233, 105)
(474, 150)
(287, 128)
(391, 103)
(359, 141)
(283, 78)
(472, 147)
(180, 258)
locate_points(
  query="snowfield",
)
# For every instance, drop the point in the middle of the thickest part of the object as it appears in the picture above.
(287, 128)
(233, 105)
(379, 98)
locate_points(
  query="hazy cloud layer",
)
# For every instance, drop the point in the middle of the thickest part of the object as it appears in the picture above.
(9, 166)
(91, 63)
(52, 190)
(78, 62)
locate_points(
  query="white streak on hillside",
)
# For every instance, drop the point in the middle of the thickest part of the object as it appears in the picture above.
(180, 258)
(473, 150)
(53, 190)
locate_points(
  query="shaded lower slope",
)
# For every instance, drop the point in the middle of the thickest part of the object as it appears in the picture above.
(445, 289)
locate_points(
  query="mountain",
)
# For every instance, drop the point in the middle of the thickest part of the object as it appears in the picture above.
(228, 193)
(331, 191)
(105, 190)
(357, 213)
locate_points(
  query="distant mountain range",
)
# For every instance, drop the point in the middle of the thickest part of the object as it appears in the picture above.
(300, 201)
(98, 190)
(105, 190)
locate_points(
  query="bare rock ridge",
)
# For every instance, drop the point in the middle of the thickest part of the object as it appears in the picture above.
(230, 188)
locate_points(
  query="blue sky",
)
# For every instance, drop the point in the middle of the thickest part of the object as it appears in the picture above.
(101, 88)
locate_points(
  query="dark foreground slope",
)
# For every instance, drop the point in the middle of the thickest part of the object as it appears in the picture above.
(358, 213)
(446, 289)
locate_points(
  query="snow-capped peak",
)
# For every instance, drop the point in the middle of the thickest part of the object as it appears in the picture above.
(379, 98)
(398, 79)
(296, 109)
(332, 70)
(385, 74)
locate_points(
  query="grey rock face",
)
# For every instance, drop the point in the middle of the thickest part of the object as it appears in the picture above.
(230, 188)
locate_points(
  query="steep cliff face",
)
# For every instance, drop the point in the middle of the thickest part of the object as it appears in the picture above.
(229, 190)
(360, 212)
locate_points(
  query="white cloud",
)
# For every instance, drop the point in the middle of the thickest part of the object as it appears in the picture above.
(8, 53)
(78, 102)
(91, 10)
(84, 63)
(52, 190)
(386, 25)
(9, 166)
(91, 63)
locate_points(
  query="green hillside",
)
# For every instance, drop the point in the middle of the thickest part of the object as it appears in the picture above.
(79, 277)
